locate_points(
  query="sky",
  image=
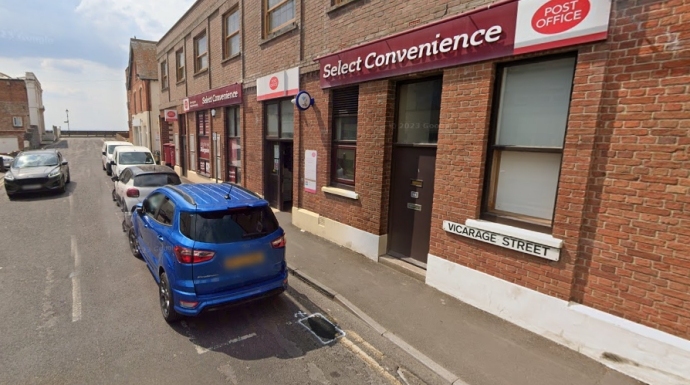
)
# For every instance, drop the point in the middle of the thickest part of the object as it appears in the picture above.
(78, 50)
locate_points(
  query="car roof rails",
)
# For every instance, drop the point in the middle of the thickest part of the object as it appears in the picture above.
(188, 198)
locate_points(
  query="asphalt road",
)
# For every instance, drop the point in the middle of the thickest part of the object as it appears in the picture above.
(77, 308)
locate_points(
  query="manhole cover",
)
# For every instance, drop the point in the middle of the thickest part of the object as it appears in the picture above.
(324, 330)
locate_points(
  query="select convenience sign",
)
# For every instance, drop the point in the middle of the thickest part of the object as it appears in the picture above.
(500, 30)
(224, 96)
(509, 242)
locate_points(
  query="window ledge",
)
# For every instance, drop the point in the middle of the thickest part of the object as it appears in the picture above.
(336, 7)
(516, 232)
(285, 30)
(180, 81)
(197, 73)
(341, 192)
(229, 58)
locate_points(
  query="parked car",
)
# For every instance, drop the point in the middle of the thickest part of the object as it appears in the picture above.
(107, 153)
(207, 246)
(37, 170)
(6, 161)
(136, 182)
(128, 156)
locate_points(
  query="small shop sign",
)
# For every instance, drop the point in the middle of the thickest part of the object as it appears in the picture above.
(509, 242)
(224, 96)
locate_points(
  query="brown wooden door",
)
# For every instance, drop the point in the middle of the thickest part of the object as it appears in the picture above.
(412, 196)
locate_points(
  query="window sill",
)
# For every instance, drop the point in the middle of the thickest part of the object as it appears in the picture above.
(516, 232)
(336, 7)
(274, 35)
(340, 192)
(197, 73)
(180, 81)
(230, 58)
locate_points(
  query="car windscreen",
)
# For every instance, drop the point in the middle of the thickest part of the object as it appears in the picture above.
(111, 147)
(156, 180)
(228, 226)
(135, 158)
(36, 160)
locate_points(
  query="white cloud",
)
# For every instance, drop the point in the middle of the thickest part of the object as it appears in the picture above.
(94, 94)
(152, 18)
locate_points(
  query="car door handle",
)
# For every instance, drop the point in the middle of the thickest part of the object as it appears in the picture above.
(146, 225)
(160, 238)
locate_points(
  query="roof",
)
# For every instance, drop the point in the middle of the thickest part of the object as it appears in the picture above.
(151, 169)
(215, 196)
(142, 56)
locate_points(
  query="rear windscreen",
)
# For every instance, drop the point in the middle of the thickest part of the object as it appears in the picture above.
(156, 180)
(228, 226)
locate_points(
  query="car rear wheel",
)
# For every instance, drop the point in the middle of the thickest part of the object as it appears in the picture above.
(134, 244)
(166, 299)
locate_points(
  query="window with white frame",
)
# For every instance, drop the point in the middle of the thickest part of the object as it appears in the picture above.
(17, 121)
(231, 34)
(526, 143)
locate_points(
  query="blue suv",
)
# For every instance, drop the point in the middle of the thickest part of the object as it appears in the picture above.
(208, 245)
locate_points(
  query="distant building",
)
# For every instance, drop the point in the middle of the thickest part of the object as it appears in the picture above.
(143, 94)
(36, 108)
(14, 114)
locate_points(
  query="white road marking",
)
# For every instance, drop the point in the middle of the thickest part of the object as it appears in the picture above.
(369, 361)
(76, 288)
(202, 350)
(48, 315)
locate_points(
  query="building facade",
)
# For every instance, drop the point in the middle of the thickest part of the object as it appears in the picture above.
(14, 114)
(532, 156)
(36, 107)
(143, 94)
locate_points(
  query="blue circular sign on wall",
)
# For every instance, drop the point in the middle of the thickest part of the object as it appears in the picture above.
(303, 100)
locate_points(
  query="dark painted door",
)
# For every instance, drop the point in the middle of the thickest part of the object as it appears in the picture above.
(412, 196)
(183, 145)
(272, 173)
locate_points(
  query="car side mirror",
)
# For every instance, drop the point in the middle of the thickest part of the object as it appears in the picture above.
(115, 178)
(64, 163)
(102, 152)
(139, 210)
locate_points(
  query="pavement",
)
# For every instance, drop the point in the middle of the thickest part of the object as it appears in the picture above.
(461, 344)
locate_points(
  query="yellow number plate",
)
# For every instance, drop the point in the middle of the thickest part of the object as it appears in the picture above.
(244, 260)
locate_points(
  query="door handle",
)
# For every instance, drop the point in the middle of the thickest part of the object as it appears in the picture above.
(146, 225)
(160, 238)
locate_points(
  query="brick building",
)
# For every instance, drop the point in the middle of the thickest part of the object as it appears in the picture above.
(531, 157)
(14, 114)
(143, 93)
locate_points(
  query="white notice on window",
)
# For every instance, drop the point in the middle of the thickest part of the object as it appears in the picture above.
(310, 171)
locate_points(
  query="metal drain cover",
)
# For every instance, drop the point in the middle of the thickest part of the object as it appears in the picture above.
(323, 329)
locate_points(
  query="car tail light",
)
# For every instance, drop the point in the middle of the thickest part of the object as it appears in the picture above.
(186, 255)
(132, 193)
(188, 304)
(279, 243)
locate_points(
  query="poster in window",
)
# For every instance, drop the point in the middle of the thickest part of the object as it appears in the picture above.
(204, 147)
(310, 171)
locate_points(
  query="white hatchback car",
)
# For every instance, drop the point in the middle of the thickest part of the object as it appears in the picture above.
(107, 153)
(126, 156)
(137, 182)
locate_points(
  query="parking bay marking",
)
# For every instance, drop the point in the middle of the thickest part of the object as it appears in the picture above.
(76, 287)
(202, 350)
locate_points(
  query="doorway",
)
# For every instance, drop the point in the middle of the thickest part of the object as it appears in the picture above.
(279, 168)
(418, 107)
(183, 144)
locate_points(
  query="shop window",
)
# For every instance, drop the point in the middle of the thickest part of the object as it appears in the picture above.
(179, 64)
(164, 74)
(200, 52)
(419, 107)
(344, 150)
(231, 34)
(526, 143)
(234, 144)
(278, 14)
(203, 130)
(280, 119)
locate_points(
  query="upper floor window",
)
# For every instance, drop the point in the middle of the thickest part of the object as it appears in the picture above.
(278, 14)
(344, 150)
(141, 102)
(526, 144)
(134, 104)
(179, 64)
(164, 74)
(17, 121)
(231, 34)
(200, 52)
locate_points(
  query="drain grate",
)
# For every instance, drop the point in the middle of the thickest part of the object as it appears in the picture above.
(323, 329)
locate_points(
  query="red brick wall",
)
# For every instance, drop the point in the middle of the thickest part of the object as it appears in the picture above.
(13, 102)
(253, 149)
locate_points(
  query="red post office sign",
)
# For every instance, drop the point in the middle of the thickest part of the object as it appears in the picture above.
(170, 115)
(499, 30)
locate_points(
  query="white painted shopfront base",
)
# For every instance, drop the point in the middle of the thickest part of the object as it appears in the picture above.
(653, 356)
(347, 236)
